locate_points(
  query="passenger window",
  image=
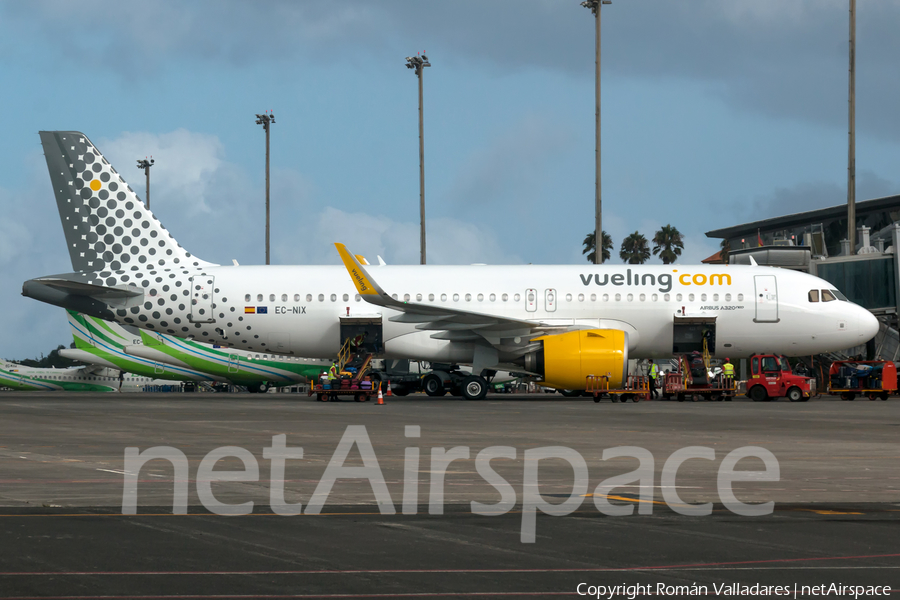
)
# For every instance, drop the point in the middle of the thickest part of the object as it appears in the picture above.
(568, 297)
(643, 297)
(321, 297)
(481, 297)
(358, 298)
(690, 297)
(246, 297)
(493, 297)
(418, 297)
(727, 297)
(456, 297)
(702, 297)
(740, 297)
(827, 296)
(309, 297)
(593, 297)
(504, 297)
(296, 297)
(677, 297)
(431, 297)
(346, 297)
(284, 297)
(715, 297)
(406, 297)
(259, 297)
(517, 297)
(654, 297)
(394, 296)
(468, 297)
(443, 297)
(618, 297)
(630, 297)
(334, 297)
(581, 297)
(606, 297)
(667, 297)
(271, 297)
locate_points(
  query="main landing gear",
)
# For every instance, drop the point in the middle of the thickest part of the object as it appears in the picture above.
(474, 387)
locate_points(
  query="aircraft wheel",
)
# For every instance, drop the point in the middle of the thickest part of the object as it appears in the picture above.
(474, 387)
(263, 388)
(794, 394)
(758, 393)
(433, 386)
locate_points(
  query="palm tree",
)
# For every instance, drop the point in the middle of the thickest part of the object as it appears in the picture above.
(634, 249)
(589, 246)
(668, 244)
(725, 250)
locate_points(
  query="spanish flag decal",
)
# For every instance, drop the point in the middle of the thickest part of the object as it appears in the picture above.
(249, 310)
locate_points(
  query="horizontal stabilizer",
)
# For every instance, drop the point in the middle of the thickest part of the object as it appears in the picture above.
(79, 288)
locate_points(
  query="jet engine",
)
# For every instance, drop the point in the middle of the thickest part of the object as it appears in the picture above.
(565, 360)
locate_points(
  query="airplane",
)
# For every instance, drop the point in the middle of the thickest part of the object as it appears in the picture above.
(73, 379)
(163, 356)
(559, 323)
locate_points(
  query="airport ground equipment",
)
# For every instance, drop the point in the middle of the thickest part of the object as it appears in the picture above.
(359, 388)
(692, 378)
(636, 388)
(771, 378)
(875, 379)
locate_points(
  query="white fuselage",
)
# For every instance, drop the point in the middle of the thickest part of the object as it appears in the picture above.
(303, 306)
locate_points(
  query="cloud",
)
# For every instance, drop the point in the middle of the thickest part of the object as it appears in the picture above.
(787, 59)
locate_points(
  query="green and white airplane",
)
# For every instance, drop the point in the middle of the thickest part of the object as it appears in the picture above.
(158, 355)
(90, 378)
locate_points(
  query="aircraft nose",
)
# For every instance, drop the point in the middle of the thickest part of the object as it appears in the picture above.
(868, 325)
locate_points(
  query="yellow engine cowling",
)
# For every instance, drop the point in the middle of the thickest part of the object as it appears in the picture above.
(566, 360)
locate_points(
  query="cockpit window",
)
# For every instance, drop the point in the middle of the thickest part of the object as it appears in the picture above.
(839, 295)
(813, 295)
(827, 296)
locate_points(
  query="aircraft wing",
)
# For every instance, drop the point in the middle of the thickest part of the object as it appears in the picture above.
(452, 324)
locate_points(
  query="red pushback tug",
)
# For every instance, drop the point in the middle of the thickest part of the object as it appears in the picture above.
(771, 378)
(873, 378)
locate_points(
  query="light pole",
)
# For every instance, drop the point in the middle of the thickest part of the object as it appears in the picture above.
(266, 119)
(594, 5)
(418, 63)
(145, 165)
(851, 149)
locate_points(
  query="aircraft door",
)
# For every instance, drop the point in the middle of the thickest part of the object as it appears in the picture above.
(202, 287)
(766, 299)
(550, 300)
(234, 363)
(531, 300)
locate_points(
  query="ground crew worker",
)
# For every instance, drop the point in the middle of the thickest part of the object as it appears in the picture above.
(728, 372)
(333, 373)
(654, 373)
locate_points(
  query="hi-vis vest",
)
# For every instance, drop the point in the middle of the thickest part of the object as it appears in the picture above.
(333, 372)
(728, 369)
(654, 370)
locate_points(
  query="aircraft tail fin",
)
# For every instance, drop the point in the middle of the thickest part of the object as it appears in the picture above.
(91, 332)
(107, 227)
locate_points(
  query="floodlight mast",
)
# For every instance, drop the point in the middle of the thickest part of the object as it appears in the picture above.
(418, 63)
(145, 165)
(266, 119)
(594, 5)
(851, 145)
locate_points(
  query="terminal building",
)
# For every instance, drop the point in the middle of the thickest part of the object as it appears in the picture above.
(815, 242)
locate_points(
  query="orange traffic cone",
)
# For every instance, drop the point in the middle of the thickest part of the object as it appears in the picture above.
(389, 389)
(380, 397)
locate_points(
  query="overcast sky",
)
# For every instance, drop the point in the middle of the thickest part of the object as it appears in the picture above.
(714, 113)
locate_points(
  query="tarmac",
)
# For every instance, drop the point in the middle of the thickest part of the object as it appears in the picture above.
(64, 479)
